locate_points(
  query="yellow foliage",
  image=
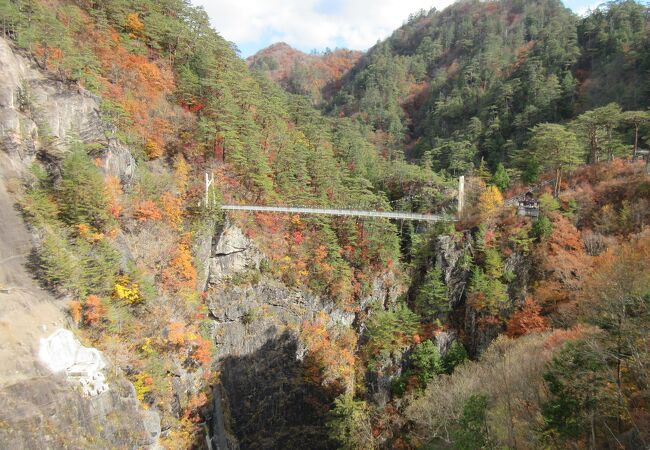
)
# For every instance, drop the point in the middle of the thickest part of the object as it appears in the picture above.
(143, 384)
(181, 173)
(127, 291)
(134, 25)
(147, 348)
(489, 201)
(154, 149)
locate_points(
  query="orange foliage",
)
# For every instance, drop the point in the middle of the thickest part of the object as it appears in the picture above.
(527, 320)
(172, 209)
(114, 191)
(563, 261)
(94, 311)
(176, 333)
(147, 210)
(331, 354)
(75, 311)
(181, 272)
(560, 336)
(203, 352)
(194, 405)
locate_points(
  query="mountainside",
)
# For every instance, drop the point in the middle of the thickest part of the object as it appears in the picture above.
(317, 76)
(469, 82)
(137, 313)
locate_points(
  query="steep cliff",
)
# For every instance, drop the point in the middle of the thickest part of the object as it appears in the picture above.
(263, 398)
(41, 409)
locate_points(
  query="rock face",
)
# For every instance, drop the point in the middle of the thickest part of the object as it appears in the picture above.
(450, 254)
(263, 399)
(232, 253)
(46, 413)
(39, 113)
(62, 352)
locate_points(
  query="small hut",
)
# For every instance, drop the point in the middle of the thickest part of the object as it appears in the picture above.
(528, 206)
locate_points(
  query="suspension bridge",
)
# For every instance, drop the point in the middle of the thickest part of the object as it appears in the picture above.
(341, 212)
(209, 180)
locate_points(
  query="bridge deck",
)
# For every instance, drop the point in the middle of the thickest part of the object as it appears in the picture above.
(341, 212)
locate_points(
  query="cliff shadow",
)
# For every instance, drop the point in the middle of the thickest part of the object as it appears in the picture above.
(268, 401)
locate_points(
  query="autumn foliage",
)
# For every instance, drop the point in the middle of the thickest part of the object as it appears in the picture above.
(528, 320)
(181, 272)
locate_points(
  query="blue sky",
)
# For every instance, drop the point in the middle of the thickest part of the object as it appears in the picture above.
(318, 24)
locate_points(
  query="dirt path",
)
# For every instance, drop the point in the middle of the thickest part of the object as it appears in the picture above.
(27, 312)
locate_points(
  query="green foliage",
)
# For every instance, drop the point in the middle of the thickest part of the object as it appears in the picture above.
(349, 423)
(432, 298)
(542, 228)
(555, 148)
(81, 193)
(456, 355)
(58, 264)
(472, 432)
(77, 265)
(500, 178)
(488, 294)
(548, 203)
(494, 89)
(426, 362)
(578, 389)
(614, 42)
(388, 333)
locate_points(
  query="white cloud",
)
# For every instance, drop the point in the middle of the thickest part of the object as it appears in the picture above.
(308, 24)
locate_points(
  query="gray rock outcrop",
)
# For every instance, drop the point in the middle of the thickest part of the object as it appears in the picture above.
(39, 113)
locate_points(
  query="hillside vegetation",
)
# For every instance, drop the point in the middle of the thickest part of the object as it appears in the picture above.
(510, 332)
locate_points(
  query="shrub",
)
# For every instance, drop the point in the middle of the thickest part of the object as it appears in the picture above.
(94, 310)
(147, 210)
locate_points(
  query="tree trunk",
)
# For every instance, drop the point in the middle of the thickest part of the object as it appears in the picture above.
(636, 139)
(558, 179)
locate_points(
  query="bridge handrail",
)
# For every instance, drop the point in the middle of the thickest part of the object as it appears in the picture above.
(340, 212)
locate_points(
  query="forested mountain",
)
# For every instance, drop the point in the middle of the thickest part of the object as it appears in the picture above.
(469, 82)
(315, 75)
(494, 330)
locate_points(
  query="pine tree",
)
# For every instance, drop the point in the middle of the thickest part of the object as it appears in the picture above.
(433, 298)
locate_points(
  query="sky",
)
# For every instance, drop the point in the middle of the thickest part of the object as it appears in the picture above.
(319, 24)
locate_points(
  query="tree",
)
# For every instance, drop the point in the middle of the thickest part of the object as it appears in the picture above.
(596, 122)
(490, 200)
(636, 118)
(580, 398)
(426, 362)
(349, 423)
(527, 320)
(432, 298)
(456, 354)
(81, 194)
(555, 148)
(500, 178)
(473, 432)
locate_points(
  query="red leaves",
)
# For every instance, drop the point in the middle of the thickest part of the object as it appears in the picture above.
(527, 320)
